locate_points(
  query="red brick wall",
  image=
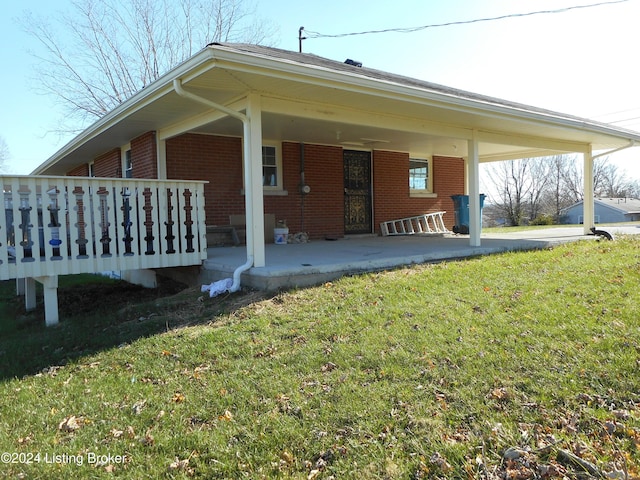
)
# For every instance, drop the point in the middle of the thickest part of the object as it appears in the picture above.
(320, 213)
(108, 164)
(144, 156)
(391, 187)
(79, 171)
(215, 159)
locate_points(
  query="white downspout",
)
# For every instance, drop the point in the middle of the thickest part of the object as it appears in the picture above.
(235, 286)
(177, 85)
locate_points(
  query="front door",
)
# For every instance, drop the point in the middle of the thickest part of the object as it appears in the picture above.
(357, 192)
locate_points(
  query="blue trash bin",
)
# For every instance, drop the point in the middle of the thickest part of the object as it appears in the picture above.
(461, 212)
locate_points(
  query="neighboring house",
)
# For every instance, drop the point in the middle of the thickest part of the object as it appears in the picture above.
(607, 210)
(333, 148)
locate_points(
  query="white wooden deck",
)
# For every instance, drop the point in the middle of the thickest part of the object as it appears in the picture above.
(68, 225)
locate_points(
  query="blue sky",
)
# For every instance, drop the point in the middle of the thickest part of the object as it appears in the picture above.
(580, 62)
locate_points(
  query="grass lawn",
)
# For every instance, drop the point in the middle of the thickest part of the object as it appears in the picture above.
(520, 365)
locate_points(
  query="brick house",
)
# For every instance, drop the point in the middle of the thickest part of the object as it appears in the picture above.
(333, 148)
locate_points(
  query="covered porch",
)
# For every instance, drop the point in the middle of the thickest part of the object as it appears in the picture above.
(301, 265)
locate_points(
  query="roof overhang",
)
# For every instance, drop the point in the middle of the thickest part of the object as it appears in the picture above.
(313, 100)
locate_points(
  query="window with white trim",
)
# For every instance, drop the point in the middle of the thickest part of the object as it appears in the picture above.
(128, 165)
(420, 178)
(272, 183)
(271, 168)
(92, 171)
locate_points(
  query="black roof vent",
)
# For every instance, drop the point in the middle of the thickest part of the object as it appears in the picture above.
(355, 63)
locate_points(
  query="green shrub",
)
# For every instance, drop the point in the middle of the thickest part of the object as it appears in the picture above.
(543, 219)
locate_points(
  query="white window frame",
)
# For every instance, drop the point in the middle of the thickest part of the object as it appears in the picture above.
(92, 171)
(278, 187)
(422, 192)
(123, 157)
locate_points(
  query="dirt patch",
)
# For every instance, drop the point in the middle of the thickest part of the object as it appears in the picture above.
(97, 297)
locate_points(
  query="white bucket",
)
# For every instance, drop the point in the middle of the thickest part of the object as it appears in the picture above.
(280, 235)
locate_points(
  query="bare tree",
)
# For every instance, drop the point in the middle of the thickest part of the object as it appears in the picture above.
(539, 183)
(609, 181)
(519, 187)
(113, 48)
(634, 189)
(573, 181)
(528, 188)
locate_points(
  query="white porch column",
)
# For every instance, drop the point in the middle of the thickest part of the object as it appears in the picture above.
(254, 200)
(466, 176)
(473, 169)
(588, 203)
(161, 151)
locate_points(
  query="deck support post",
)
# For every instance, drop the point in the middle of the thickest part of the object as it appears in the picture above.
(20, 286)
(27, 286)
(29, 289)
(50, 289)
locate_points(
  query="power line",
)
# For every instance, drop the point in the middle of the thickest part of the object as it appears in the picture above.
(632, 119)
(627, 110)
(311, 34)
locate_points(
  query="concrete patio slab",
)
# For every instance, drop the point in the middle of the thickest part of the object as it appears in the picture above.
(301, 265)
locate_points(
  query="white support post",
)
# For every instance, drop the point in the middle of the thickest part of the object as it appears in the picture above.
(30, 293)
(50, 288)
(20, 286)
(161, 149)
(254, 201)
(474, 192)
(588, 203)
(466, 176)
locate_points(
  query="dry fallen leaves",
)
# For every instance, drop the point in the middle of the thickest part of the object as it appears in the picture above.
(501, 394)
(71, 424)
(439, 461)
(178, 398)
(227, 416)
(328, 367)
(181, 465)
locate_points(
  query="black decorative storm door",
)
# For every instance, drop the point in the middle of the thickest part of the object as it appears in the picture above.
(357, 192)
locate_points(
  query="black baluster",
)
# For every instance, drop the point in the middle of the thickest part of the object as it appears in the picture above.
(188, 220)
(169, 224)
(54, 223)
(26, 226)
(126, 223)
(148, 221)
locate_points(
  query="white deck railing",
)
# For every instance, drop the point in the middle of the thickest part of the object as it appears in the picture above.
(67, 225)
